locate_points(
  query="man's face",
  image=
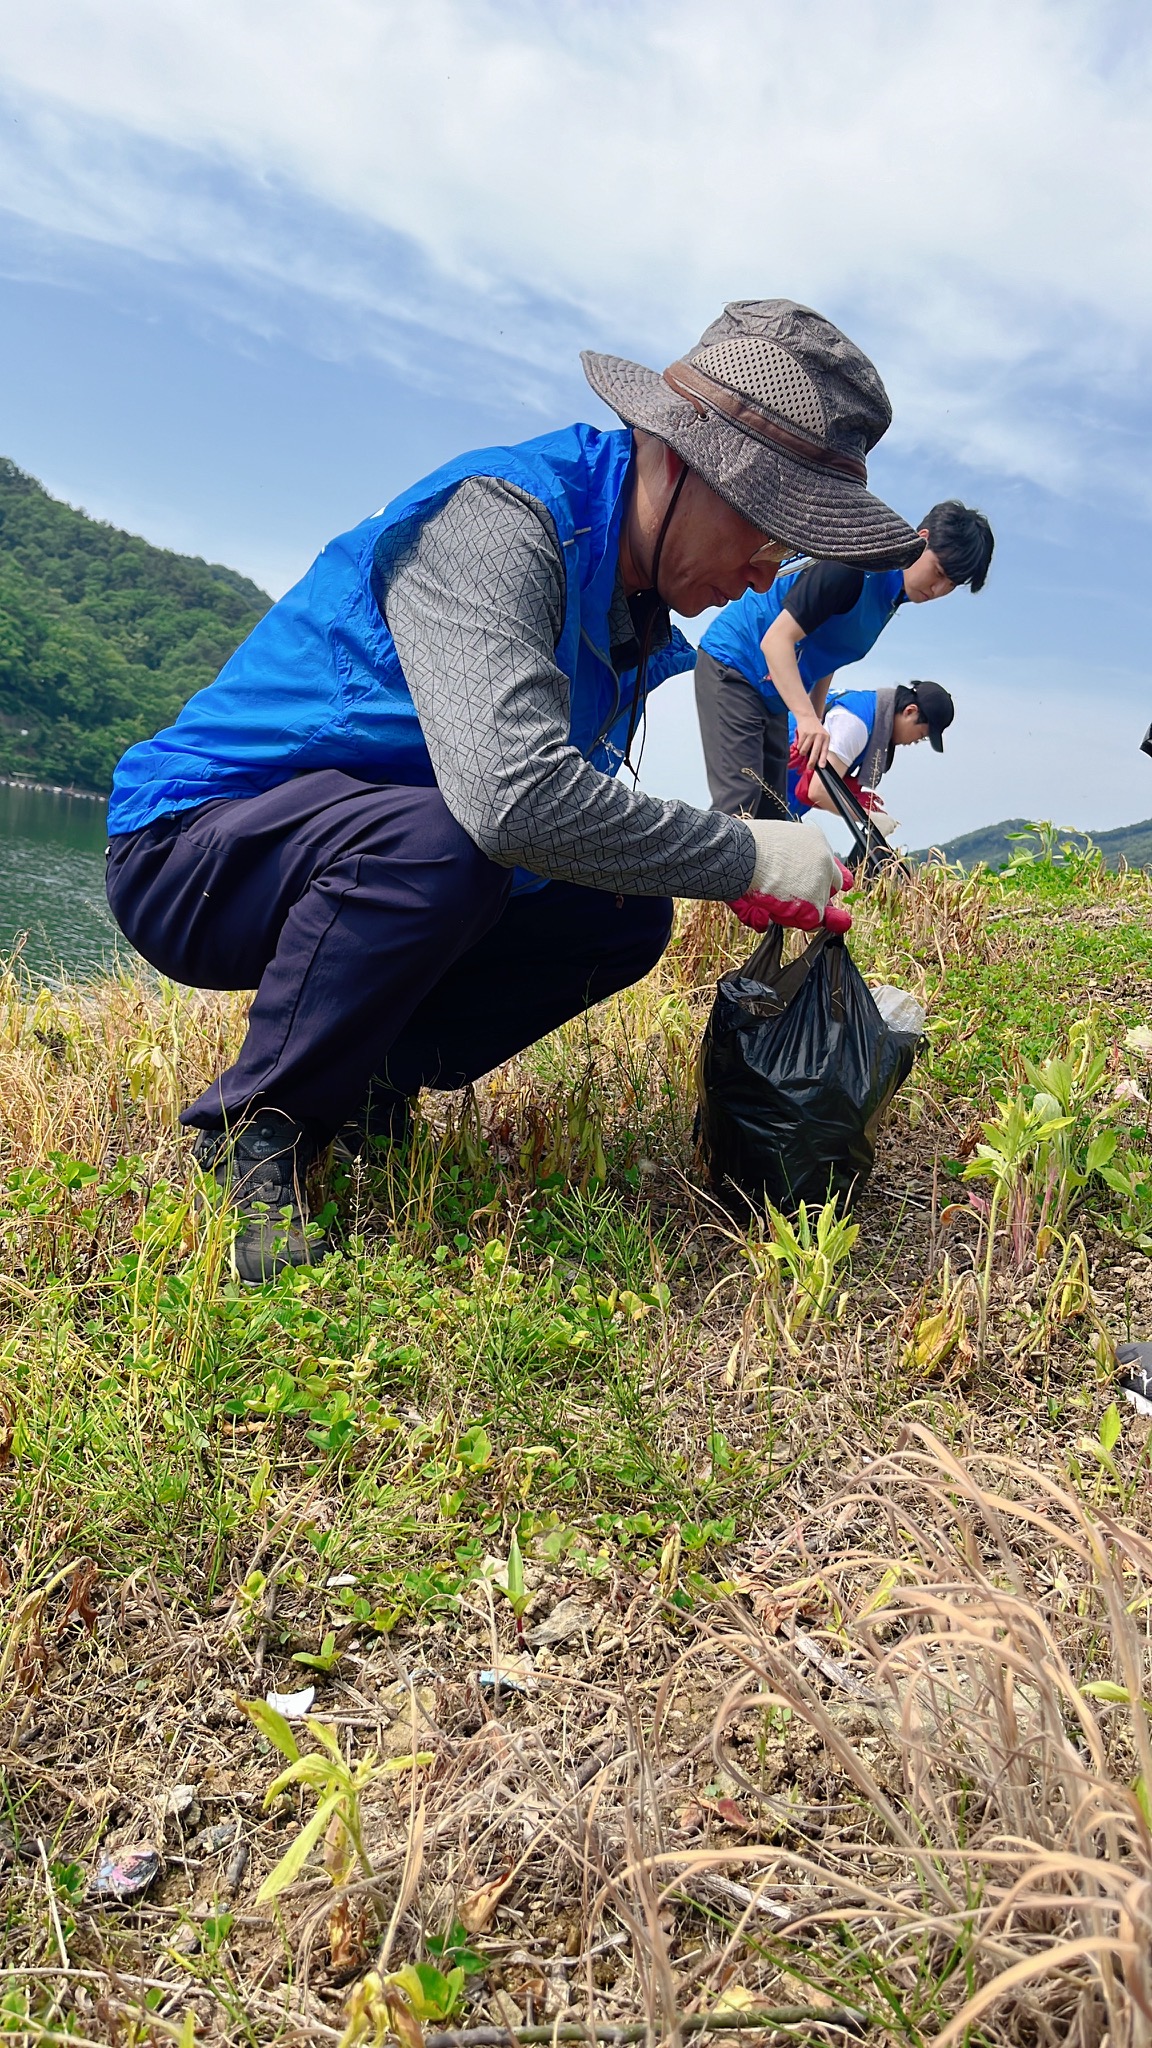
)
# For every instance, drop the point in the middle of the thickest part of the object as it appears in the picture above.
(926, 578)
(712, 554)
(909, 726)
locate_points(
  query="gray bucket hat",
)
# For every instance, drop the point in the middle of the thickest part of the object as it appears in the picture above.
(775, 409)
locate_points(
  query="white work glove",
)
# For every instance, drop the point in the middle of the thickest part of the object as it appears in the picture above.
(882, 821)
(794, 879)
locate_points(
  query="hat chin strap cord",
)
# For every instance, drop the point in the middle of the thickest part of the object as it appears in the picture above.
(638, 693)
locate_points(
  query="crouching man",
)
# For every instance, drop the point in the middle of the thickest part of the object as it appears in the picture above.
(393, 813)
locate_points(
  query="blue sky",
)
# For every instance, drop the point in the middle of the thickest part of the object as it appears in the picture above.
(262, 265)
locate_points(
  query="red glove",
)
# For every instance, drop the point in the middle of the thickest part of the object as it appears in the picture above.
(758, 912)
(794, 880)
(803, 771)
(804, 787)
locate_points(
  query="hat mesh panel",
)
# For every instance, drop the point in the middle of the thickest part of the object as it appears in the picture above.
(767, 373)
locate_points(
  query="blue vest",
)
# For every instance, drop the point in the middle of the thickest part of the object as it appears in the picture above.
(863, 703)
(318, 682)
(734, 638)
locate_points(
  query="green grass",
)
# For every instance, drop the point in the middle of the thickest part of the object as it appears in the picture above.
(536, 1330)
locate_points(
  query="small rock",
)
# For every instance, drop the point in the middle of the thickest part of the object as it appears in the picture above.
(396, 1701)
(237, 1865)
(125, 1874)
(213, 1841)
(568, 1619)
(506, 2009)
(182, 1805)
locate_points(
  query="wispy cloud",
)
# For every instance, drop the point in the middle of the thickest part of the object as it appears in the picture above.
(968, 190)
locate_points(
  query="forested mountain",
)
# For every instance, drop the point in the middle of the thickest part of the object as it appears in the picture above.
(994, 847)
(102, 637)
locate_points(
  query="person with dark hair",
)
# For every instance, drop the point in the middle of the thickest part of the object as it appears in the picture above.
(865, 728)
(961, 541)
(772, 654)
(396, 812)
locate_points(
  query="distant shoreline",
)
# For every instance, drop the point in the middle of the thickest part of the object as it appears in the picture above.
(87, 796)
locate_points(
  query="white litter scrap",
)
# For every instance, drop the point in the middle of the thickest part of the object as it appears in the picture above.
(494, 1682)
(293, 1705)
(900, 1011)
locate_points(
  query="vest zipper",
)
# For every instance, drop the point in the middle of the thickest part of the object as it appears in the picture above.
(614, 714)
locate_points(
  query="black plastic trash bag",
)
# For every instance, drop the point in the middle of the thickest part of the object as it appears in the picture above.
(796, 1069)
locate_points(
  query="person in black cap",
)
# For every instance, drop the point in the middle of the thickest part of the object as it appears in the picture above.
(772, 655)
(865, 727)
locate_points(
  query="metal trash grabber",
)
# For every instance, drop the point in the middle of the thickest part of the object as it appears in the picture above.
(872, 849)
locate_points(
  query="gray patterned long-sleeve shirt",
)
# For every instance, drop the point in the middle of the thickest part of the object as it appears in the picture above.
(475, 609)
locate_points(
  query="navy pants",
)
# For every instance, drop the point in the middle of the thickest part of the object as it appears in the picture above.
(384, 947)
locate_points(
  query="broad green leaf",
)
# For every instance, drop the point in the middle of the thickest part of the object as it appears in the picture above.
(1110, 1427)
(314, 1771)
(432, 1994)
(1107, 1689)
(474, 1450)
(273, 1727)
(1046, 1105)
(292, 1863)
(322, 1659)
(328, 1737)
(1100, 1150)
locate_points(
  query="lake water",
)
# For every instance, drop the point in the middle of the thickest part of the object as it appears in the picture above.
(52, 882)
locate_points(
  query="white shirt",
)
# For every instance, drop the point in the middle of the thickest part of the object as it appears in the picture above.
(848, 734)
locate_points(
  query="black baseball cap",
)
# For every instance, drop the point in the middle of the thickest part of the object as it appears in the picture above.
(936, 709)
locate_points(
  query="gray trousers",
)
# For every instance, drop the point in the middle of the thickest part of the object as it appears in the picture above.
(745, 744)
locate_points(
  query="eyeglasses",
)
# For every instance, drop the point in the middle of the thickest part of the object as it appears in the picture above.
(775, 554)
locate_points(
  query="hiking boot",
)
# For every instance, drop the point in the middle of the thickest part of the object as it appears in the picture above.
(261, 1167)
(1135, 1381)
(385, 1119)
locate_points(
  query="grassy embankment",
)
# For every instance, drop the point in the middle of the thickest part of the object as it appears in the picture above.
(822, 1574)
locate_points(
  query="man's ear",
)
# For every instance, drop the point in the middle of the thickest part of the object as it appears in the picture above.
(923, 532)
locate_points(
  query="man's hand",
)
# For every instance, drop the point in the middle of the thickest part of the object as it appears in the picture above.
(794, 879)
(812, 741)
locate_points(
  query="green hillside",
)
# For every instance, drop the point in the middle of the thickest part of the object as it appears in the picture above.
(994, 846)
(102, 637)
